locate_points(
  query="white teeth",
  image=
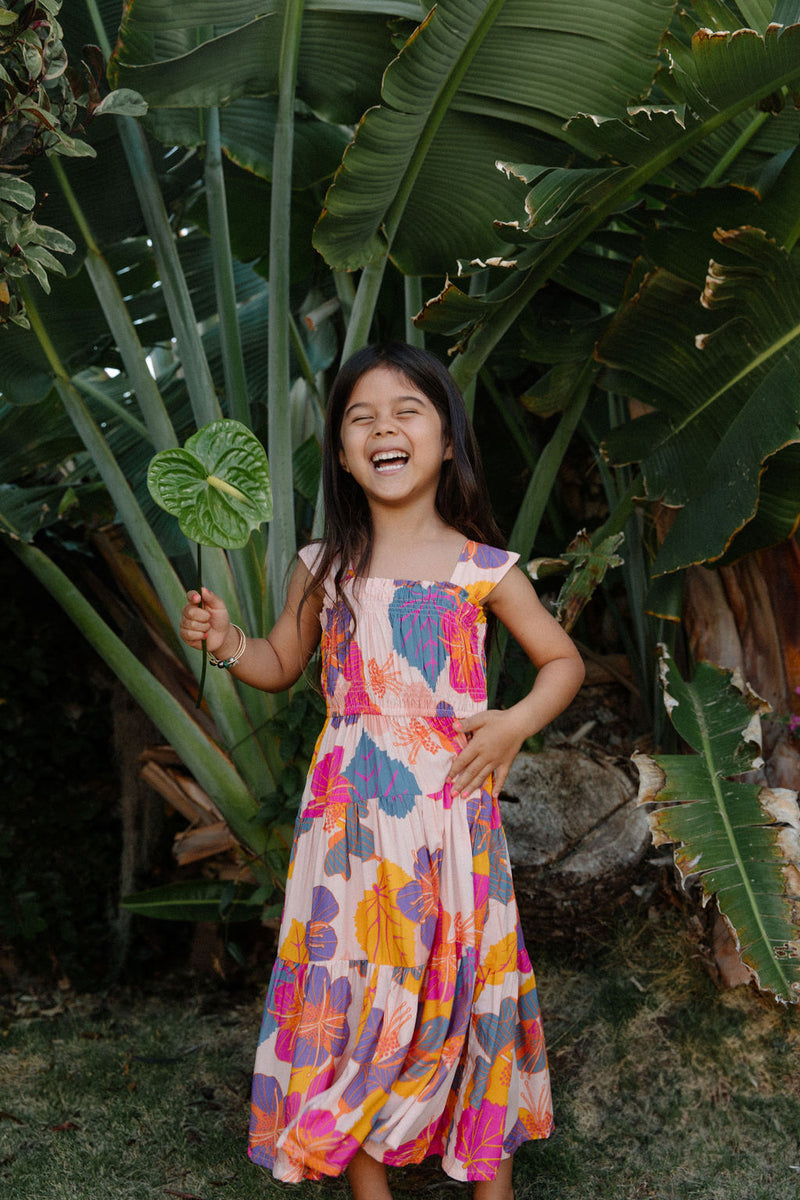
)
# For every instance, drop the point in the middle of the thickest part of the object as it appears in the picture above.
(389, 460)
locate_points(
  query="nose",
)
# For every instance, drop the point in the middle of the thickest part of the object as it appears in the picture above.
(385, 424)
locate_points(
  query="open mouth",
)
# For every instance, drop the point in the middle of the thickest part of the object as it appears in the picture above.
(386, 461)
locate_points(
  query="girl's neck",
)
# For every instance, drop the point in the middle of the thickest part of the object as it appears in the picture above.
(413, 548)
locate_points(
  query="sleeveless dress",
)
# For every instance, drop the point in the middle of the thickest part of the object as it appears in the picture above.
(402, 1014)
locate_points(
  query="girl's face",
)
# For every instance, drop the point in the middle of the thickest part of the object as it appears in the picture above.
(392, 440)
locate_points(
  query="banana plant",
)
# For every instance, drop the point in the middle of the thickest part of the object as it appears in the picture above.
(739, 841)
(551, 250)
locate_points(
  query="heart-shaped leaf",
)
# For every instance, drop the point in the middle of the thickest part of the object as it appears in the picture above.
(217, 485)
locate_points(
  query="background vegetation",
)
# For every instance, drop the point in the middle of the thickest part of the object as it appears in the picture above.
(634, 257)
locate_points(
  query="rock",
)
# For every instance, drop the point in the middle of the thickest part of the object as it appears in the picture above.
(575, 837)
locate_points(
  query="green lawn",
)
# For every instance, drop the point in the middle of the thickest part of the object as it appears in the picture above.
(664, 1087)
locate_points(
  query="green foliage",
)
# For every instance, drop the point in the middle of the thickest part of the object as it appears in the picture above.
(703, 448)
(587, 565)
(211, 900)
(296, 727)
(626, 163)
(44, 103)
(217, 485)
(740, 840)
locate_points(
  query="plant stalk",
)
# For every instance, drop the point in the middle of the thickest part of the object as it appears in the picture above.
(282, 536)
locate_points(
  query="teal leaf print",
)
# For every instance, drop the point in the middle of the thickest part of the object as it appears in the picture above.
(357, 839)
(500, 887)
(374, 774)
(415, 614)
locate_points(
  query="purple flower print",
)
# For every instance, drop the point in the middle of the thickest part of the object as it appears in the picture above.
(419, 900)
(321, 938)
(485, 557)
(266, 1118)
(313, 1020)
(381, 1052)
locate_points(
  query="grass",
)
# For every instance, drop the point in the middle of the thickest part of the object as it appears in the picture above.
(664, 1086)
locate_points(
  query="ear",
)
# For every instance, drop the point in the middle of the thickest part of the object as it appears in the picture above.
(343, 461)
(448, 450)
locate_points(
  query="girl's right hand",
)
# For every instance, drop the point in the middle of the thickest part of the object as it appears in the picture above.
(207, 627)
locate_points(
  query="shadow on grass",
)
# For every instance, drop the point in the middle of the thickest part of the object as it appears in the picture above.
(664, 1087)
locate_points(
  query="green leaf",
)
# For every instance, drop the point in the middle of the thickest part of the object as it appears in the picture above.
(737, 402)
(588, 566)
(24, 511)
(197, 900)
(307, 468)
(466, 90)
(714, 82)
(17, 191)
(240, 56)
(778, 514)
(217, 485)
(238, 61)
(122, 102)
(740, 840)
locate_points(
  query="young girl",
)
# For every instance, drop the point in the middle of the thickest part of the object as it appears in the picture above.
(402, 1017)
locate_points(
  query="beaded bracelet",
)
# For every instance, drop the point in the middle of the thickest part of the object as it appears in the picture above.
(227, 663)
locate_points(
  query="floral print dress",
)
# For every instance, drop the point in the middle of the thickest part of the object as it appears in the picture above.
(402, 1014)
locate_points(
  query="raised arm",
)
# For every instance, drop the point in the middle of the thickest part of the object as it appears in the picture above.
(497, 734)
(273, 663)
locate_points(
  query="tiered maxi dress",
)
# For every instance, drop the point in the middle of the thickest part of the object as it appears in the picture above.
(402, 1014)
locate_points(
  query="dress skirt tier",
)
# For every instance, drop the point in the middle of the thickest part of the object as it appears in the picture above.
(402, 1014)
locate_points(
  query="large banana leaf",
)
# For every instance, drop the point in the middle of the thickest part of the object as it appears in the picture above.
(178, 61)
(465, 91)
(741, 841)
(724, 379)
(714, 81)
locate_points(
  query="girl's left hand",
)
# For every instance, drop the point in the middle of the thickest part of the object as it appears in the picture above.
(494, 738)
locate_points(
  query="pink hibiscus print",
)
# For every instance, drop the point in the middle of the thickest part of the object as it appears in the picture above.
(316, 1140)
(328, 787)
(479, 1145)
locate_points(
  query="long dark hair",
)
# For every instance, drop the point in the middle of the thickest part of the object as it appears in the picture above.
(462, 499)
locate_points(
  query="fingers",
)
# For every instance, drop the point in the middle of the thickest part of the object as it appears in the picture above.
(195, 622)
(201, 616)
(470, 768)
(492, 743)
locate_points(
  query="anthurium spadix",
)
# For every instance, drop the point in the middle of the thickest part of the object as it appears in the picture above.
(217, 486)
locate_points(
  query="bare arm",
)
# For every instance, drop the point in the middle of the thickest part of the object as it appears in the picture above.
(272, 663)
(497, 734)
